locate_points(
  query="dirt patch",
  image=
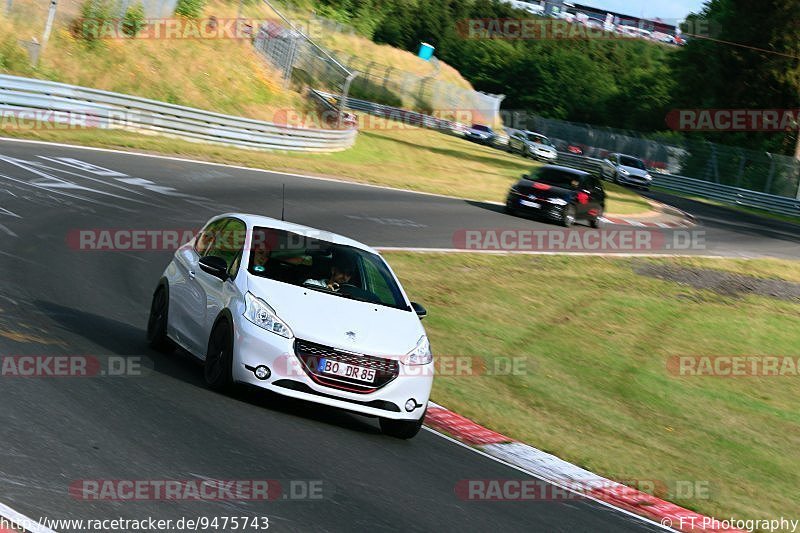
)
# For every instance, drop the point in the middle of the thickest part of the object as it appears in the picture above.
(724, 283)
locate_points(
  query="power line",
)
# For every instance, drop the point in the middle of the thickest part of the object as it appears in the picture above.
(741, 45)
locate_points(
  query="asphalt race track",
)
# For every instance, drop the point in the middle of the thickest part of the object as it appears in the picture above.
(165, 425)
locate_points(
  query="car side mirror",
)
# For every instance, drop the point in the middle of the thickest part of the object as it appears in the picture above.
(526, 176)
(421, 311)
(216, 266)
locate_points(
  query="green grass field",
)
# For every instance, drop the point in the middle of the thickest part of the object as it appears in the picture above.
(595, 337)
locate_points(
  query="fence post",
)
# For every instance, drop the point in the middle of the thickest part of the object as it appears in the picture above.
(768, 185)
(742, 161)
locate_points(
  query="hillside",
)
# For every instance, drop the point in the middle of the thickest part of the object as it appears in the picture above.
(224, 75)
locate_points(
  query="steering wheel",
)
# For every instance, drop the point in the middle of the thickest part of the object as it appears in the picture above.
(358, 292)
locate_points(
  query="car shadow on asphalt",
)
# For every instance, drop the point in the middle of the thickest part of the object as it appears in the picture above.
(500, 209)
(124, 340)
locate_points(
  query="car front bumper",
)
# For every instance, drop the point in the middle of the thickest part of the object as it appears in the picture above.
(254, 347)
(525, 204)
(634, 180)
(545, 156)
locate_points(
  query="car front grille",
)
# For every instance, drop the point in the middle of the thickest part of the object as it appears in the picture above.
(310, 354)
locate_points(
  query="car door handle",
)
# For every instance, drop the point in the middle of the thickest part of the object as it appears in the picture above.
(192, 274)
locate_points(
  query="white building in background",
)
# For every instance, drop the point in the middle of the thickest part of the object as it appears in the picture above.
(534, 8)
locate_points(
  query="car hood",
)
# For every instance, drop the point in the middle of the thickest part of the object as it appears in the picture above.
(542, 147)
(327, 319)
(634, 171)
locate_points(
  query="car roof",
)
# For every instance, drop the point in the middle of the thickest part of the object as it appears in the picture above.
(631, 156)
(568, 170)
(274, 223)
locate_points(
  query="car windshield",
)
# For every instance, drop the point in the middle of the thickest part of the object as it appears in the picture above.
(541, 139)
(481, 127)
(556, 177)
(336, 269)
(632, 162)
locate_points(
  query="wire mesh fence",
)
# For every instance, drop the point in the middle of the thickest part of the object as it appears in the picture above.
(305, 62)
(301, 61)
(727, 165)
(427, 94)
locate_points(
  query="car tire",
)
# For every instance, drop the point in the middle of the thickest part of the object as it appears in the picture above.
(597, 221)
(157, 322)
(508, 209)
(568, 216)
(616, 178)
(218, 366)
(402, 429)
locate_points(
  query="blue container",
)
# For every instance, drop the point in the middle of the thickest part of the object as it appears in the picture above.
(426, 51)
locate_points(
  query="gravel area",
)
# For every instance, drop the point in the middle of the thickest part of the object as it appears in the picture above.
(724, 283)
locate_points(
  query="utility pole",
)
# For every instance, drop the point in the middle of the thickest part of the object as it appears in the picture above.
(51, 15)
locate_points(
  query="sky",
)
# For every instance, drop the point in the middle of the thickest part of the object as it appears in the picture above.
(665, 9)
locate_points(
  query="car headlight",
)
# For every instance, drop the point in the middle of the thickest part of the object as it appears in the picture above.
(421, 354)
(557, 201)
(262, 315)
(623, 172)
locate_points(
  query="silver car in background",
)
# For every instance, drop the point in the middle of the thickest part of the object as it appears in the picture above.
(626, 170)
(532, 144)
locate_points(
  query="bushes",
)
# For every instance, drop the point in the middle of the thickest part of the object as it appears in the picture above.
(133, 21)
(190, 8)
(96, 20)
(100, 19)
(365, 89)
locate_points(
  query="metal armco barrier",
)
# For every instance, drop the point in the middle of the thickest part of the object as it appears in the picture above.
(110, 110)
(404, 116)
(700, 188)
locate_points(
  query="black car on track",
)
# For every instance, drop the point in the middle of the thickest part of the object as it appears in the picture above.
(561, 194)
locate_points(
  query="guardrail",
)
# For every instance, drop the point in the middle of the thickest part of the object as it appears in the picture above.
(110, 110)
(405, 116)
(703, 189)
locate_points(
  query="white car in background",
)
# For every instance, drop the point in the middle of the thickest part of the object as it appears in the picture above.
(300, 312)
(626, 170)
(532, 144)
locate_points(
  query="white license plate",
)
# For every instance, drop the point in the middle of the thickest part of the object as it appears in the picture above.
(528, 203)
(326, 366)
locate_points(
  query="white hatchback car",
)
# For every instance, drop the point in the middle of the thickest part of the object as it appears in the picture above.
(298, 311)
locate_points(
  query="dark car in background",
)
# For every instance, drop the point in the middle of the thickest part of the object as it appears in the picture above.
(481, 134)
(563, 195)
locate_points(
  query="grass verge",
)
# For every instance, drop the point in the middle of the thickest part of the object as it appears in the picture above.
(408, 158)
(597, 391)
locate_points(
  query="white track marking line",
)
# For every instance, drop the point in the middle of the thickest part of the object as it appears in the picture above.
(537, 476)
(20, 519)
(241, 167)
(533, 252)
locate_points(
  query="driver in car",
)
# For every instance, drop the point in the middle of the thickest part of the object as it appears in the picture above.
(341, 272)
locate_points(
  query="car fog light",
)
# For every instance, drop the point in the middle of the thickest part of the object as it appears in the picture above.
(411, 405)
(262, 372)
